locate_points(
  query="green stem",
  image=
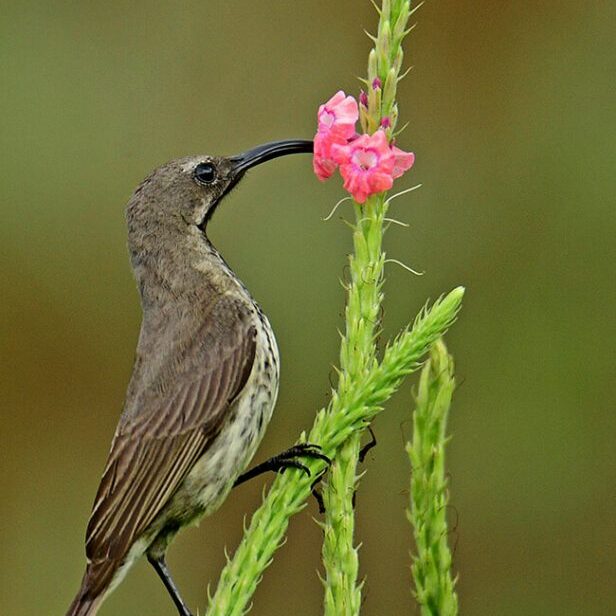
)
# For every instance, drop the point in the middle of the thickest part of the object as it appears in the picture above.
(364, 300)
(349, 411)
(434, 583)
(357, 354)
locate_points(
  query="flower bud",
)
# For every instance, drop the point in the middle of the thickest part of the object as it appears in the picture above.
(389, 91)
(372, 65)
(364, 118)
(383, 45)
(400, 27)
(394, 115)
(398, 60)
(374, 102)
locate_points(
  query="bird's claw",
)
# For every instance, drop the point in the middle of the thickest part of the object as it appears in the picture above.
(303, 450)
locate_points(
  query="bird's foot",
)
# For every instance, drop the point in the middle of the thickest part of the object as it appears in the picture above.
(362, 456)
(316, 492)
(368, 446)
(286, 459)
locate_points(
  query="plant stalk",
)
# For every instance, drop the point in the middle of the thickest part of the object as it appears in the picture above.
(432, 563)
(364, 301)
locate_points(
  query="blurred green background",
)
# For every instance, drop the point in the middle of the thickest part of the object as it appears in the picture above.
(511, 111)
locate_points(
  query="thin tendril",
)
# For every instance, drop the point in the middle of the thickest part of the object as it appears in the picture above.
(406, 267)
(402, 192)
(328, 217)
(397, 222)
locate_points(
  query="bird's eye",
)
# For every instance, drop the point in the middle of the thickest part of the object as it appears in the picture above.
(205, 173)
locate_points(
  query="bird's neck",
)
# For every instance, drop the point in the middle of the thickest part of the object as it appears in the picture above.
(188, 271)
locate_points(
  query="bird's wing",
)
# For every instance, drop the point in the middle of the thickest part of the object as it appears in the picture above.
(154, 448)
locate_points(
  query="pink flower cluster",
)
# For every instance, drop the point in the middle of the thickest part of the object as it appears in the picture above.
(368, 163)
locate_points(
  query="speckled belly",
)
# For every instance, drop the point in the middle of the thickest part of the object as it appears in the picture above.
(213, 476)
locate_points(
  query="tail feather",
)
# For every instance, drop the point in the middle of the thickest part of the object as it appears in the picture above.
(84, 606)
(97, 582)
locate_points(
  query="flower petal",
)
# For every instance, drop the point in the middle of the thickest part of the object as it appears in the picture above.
(323, 168)
(323, 161)
(403, 161)
(339, 114)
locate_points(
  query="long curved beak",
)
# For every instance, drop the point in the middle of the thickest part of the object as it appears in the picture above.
(267, 151)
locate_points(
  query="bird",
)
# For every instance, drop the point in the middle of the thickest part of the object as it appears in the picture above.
(204, 381)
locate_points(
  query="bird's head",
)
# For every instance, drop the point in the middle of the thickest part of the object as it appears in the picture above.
(185, 192)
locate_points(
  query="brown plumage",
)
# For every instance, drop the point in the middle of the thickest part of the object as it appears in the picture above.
(204, 381)
(153, 450)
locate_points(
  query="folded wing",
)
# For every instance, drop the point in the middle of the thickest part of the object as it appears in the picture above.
(154, 448)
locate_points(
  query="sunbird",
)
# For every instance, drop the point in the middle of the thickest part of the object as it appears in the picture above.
(204, 382)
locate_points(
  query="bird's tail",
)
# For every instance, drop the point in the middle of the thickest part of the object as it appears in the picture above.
(95, 586)
(84, 606)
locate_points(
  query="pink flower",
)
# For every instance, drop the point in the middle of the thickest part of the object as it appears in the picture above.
(403, 161)
(339, 115)
(367, 164)
(322, 161)
(337, 118)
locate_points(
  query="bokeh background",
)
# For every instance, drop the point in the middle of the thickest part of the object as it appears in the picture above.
(511, 112)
